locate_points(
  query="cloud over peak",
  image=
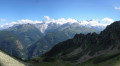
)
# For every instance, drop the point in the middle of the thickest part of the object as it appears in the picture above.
(46, 17)
(25, 21)
(107, 20)
(61, 21)
(92, 23)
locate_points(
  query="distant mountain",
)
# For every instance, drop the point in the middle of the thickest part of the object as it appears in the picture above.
(84, 47)
(30, 33)
(27, 33)
(47, 42)
(62, 33)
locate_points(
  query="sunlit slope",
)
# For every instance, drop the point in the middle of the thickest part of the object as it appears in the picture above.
(6, 60)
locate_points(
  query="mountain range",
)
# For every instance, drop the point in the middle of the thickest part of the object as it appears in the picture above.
(36, 39)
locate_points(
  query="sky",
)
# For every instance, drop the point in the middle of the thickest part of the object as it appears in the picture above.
(14, 10)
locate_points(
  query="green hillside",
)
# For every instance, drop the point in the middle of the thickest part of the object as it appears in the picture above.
(103, 60)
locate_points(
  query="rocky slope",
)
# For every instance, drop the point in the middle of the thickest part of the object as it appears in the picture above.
(84, 47)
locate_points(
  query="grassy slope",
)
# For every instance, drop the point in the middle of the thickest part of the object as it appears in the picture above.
(111, 60)
(57, 63)
(39, 62)
(103, 60)
(6, 60)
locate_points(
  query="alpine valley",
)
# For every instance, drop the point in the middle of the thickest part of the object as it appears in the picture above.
(32, 40)
(59, 32)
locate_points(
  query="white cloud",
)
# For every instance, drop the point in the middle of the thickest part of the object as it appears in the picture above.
(71, 20)
(46, 17)
(1, 20)
(22, 21)
(94, 22)
(117, 8)
(6, 25)
(107, 20)
(25, 21)
(63, 20)
(48, 20)
(59, 21)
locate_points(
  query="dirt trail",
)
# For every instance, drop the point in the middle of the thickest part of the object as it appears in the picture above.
(6, 60)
